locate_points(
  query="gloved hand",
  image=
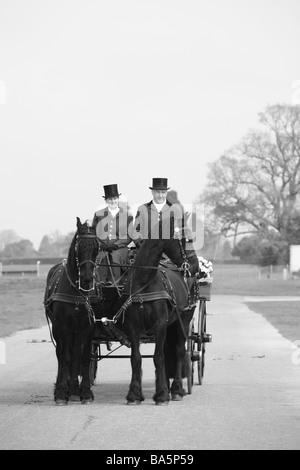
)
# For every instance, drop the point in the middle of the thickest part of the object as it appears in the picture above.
(110, 248)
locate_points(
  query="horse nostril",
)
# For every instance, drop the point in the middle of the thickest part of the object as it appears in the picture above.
(86, 282)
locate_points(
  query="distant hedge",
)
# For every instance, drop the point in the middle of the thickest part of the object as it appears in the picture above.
(6, 261)
(11, 261)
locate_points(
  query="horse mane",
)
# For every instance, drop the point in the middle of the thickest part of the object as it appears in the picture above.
(71, 259)
(149, 255)
(151, 252)
(175, 252)
(82, 229)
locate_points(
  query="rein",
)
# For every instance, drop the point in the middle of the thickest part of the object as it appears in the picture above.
(185, 267)
(125, 305)
(82, 263)
(91, 314)
(76, 285)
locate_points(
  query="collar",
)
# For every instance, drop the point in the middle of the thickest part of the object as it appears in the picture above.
(114, 212)
(106, 212)
(167, 203)
(159, 207)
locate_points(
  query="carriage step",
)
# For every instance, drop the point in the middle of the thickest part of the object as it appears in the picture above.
(207, 338)
(195, 356)
(194, 337)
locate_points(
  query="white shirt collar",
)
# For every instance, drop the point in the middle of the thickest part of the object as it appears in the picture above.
(114, 212)
(159, 206)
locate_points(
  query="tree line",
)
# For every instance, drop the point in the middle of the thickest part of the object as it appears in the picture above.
(251, 199)
(54, 245)
(252, 194)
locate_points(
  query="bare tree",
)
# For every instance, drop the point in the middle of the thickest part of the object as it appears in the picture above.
(255, 187)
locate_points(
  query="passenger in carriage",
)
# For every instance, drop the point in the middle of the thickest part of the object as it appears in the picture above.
(155, 219)
(111, 224)
(162, 219)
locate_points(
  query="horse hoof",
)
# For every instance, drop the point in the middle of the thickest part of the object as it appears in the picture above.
(60, 402)
(74, 398)
(176, 397)
(162, 403)
(86, 401)
(134, 403)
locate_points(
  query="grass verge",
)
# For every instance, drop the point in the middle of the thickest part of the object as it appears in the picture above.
(229, 286)
(21, 302)
(284, 316)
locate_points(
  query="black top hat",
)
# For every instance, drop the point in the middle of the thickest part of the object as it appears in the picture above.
(159, 184)
(111, 190)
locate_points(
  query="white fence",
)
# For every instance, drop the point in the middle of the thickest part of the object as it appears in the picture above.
(222, 271)
(249, 271)
(23, 270)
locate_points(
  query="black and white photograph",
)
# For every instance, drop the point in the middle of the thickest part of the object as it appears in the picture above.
(150, 227)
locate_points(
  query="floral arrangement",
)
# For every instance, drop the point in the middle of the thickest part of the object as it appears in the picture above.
(205, 268)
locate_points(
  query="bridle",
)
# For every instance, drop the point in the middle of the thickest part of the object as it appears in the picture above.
(185, 268)
(79, 264)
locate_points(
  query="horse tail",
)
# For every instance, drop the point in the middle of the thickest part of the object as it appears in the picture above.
(186, 365)
(173, 337)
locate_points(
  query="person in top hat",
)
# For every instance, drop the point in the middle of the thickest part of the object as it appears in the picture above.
(111, 224)
(156, 219)
(162, 219)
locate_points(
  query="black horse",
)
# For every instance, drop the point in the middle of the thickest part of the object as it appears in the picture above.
(158, 300)
(68, 306)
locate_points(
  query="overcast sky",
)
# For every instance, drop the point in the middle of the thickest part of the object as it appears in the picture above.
(96, 92)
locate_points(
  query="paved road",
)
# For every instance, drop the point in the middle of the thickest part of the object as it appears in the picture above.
(249, 400)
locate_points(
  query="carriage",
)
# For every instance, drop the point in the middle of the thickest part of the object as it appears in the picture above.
(105, 346)
(155, 303)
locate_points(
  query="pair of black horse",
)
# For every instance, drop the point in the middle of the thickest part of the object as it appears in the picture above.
(154, 299)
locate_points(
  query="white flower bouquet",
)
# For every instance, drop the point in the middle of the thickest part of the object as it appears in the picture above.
(205, 278)
(205, 268)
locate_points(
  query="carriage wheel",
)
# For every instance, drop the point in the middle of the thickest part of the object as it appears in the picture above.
(201, 341)
(94, 362)
(189, 356)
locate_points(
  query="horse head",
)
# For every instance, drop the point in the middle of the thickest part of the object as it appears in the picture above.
(86, 250)
(151, 252)
(175, 249)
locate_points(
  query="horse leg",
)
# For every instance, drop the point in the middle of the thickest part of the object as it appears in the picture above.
(75, 368)
(177, 390)
(61, 389)
(161, 396)
(86, 394)
(135, 394)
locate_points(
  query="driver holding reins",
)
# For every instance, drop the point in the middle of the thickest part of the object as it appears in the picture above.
(111, 224)
(155, 219)
(162, 219)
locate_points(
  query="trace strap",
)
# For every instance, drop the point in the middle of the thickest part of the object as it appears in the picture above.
(124, 307)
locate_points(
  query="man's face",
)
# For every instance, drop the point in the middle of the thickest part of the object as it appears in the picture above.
(159, 196)
(112, 202)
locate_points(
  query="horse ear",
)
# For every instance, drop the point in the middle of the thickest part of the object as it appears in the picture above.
(79, 224)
